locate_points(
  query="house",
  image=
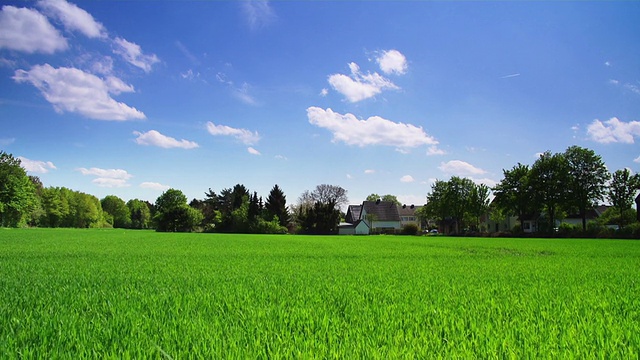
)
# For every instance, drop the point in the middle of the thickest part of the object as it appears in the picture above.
(359, 227)
(374, 217)
(576, 219)
(381, 216)
(408, 216)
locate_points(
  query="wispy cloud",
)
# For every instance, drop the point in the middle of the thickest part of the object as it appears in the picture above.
(613, 131)
(155, 138)
(29, 31)
(246, 136)
(510, 76)
(73, 90)
(132, 53)
(258, 13)
(253, 151)
(154, 186)
(36, 166)
(7, 141)
(460, 168)
(434, 150)
(372, 131)
(107, 177)
(407, 179)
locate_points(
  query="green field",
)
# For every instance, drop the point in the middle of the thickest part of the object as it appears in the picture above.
(140, 294)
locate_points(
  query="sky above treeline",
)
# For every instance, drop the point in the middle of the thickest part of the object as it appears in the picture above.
(131, 98)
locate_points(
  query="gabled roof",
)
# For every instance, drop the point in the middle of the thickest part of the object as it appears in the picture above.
(353, 213)
(408, 210)
(382, 210)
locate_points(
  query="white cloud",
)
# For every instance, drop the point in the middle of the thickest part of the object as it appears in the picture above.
(107, 177)
(73, 90)
(486, 181)
(253, 151)
(372, 131)
(258, 13)
(281, 157)
(27, 30)
(154, 186)
(392, 62)
(103, 66)
(73, 18)
(36, 166)
(637, 160)
(246, 136)
(349, 177)
(324, 92)
(132, 53)
(369, 171)
(613, 131)
(434, 150)
(460, 168)
(155, 138)
(358, 86)
(407, 179)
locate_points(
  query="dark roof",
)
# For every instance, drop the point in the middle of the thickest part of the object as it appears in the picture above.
(408, 210)
(591, 213)
(353, 213)
(382, 210)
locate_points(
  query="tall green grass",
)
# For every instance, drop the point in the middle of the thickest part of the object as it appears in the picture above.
(138, 294)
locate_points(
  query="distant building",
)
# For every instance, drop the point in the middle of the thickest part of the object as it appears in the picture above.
(375, 217)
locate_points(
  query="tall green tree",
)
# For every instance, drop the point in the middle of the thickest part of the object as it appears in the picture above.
(17, 192)
(174, 214)
(622, 191)
(587, 180)
(276, 205)
(118, 210)
(140, 214)
(549, 179)
(515, 195)
(478, 203)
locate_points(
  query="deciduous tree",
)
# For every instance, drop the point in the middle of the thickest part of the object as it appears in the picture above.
(622, 190)
(587, 180)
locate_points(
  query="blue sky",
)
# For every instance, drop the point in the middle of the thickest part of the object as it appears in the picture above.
(133, 97)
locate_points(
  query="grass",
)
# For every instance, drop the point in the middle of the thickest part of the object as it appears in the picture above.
(139, 294)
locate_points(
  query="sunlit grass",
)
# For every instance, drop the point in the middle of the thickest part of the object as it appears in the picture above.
(119, 294)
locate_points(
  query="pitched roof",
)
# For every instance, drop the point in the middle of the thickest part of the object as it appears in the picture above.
(382, 210)
(353, 213)
(408, 210)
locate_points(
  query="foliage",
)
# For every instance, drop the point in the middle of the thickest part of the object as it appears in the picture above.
(276, 205)
(17, 192)
(549, 178)
(141, 294)
(118, 209)
(621, 192)
(174, 215)
(318, 211)
(587, 175)
(515, 194)
(140, 214)
(410, 229)
(456, 200)
(388, 197)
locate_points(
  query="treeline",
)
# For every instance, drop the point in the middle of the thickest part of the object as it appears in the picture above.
(24, 201)
(554, 187)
